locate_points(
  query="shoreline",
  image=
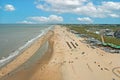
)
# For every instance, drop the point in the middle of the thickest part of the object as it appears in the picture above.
(68, 58)
(25, 55)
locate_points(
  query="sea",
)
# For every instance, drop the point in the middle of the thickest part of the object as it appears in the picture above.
(14, 38)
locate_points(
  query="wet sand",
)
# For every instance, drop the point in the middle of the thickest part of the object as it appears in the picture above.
(68, 58)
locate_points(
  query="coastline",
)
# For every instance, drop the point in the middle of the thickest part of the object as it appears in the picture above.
(68, 58)
(25, 55)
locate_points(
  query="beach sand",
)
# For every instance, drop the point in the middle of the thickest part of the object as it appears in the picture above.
(68, 58)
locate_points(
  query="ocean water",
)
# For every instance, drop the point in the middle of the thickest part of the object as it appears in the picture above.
(14, 38)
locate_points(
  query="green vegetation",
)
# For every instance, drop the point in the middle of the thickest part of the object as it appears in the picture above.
(112, 40)
(82, 30)
(79, 29)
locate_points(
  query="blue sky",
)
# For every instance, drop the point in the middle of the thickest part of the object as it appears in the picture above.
(60, 11)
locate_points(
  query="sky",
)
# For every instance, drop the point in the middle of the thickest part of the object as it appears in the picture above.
(60, 11)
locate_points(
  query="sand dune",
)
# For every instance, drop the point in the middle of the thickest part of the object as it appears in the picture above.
(70, 59)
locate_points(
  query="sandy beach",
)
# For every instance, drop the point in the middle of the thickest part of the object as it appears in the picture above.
(67, 58)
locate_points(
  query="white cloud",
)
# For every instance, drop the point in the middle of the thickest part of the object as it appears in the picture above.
(25, 22)
(54, 18)
(50, 19)
(9, 7)
(111, 5)
(42, 19)
(60, 6)
(114, 15)
(85, 20)
(39, 19)
(81, 7)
